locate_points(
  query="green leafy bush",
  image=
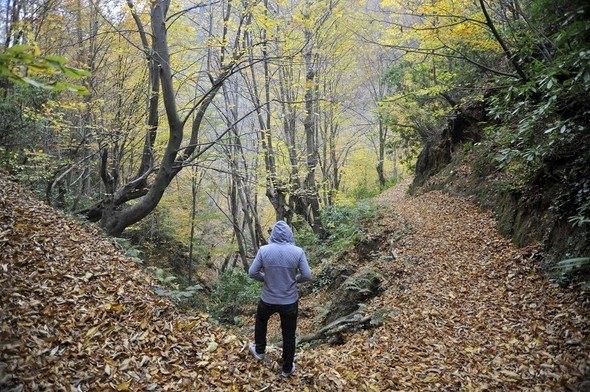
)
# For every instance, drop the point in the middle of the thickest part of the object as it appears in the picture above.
(572, 270)
(129, 249)
(582, 202)
(173, 288)
(234, 292)
(344, 225)
(24, 64)
(549, 111)
(544, 131)
(365, 191)
(8, 159)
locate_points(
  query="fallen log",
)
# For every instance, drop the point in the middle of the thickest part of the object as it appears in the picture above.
(353, 322)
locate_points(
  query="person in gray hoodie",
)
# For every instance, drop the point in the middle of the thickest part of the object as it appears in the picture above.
(280, 265)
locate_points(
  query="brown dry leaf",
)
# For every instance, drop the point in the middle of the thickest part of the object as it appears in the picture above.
(123, 386)
(91, 332)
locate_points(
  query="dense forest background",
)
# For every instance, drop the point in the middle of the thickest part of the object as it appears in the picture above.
(186, 128)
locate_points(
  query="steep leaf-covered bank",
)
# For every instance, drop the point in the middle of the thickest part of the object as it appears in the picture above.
(548, 204)
(504, 116)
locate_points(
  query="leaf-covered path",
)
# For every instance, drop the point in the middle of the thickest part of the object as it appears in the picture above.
(466, 310)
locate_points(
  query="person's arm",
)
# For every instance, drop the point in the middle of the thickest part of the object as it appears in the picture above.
(304, 270)
(255, 270)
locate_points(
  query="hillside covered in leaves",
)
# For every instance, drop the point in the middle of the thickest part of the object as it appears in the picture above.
(461, 307)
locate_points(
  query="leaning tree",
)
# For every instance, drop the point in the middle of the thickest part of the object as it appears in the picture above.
(155, 173)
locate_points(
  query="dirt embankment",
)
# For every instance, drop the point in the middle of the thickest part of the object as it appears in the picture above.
(535, 209)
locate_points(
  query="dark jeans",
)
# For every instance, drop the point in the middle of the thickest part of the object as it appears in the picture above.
(288, 315)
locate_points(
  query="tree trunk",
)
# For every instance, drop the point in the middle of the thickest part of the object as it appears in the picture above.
(233, 198)
(114, 216)
(194, 187)
(513, 60)
(311, 149)
(274, 187)
(381, 150)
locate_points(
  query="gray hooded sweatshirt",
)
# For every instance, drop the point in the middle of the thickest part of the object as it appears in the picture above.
(280, 265)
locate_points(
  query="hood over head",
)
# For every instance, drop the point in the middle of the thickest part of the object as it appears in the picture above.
(281, 233)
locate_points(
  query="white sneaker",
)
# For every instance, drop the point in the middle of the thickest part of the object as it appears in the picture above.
(259, 357)
(287, 374)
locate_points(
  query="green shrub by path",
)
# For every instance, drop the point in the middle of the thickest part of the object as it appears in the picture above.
(344, 225)
(234, 292)
(363, 191)
(574, 269)
(540, 127)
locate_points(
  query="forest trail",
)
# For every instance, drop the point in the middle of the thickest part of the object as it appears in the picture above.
(465, 310)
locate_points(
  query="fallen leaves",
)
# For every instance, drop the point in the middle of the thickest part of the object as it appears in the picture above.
(468, 311)
(78, 315)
